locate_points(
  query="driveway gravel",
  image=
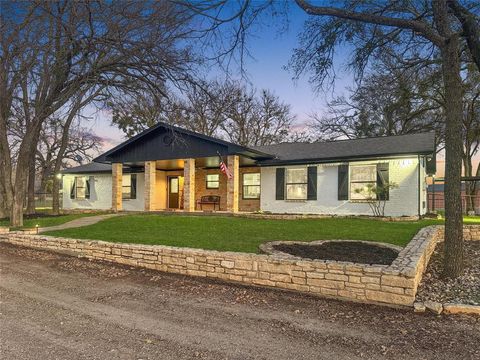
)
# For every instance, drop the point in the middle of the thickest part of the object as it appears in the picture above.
(53, 306)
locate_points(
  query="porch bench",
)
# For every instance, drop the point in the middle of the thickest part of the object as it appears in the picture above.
(210, 200)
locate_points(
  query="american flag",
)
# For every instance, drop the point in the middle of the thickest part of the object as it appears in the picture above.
(224, 168)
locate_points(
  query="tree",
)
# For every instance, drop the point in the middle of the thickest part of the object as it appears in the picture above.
(418, 31)
(135, 112)
(390, 100)
(415, 28)
(253, 120)
(51, 51)
(201, 108)
(63, 142)
(468, 17)
(226, 110)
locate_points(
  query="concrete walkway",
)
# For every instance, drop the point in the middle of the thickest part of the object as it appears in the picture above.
(84, 221)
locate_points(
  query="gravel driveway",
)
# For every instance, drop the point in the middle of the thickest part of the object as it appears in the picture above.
(58, 307)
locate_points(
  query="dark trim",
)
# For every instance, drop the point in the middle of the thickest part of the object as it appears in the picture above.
(343, 182)
(312, 183)
(280, 184)
(383, 177)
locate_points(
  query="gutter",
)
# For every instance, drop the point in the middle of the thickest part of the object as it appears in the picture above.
(336, 160)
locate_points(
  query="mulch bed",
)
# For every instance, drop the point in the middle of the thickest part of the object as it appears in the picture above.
(356, 252)
(465, 289)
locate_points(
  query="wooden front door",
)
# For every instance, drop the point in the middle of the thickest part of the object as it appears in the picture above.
(173, 192)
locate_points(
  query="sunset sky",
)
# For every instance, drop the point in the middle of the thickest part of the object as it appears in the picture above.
(271, 51)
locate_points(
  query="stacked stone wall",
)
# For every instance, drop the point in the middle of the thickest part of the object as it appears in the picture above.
(395, 284)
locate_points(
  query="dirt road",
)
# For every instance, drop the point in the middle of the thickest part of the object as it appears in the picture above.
(58, 307)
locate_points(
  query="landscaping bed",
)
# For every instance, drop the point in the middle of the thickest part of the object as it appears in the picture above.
(350, 251)
(464, 290)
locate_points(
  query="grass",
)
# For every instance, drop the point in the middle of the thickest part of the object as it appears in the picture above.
(44, 220)
(241, 234)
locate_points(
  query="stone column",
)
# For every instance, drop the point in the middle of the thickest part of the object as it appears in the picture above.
(150, 182)
(117, 173)
(189, 185)
(233, 163)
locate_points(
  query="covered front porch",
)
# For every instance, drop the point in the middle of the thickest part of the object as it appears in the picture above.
(188, 185)
(177, 169)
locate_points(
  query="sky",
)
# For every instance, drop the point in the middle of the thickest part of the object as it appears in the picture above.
(271, 52)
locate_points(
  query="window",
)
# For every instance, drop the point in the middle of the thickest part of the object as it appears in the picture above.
(174, 185)
(129, 186)
(251, 186)
(80, 187)
(296, 184)
(213, 181)
(362, 180)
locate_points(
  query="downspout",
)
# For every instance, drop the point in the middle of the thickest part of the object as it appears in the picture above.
(419, 199)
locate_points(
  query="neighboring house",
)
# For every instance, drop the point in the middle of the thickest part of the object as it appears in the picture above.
(167, 167)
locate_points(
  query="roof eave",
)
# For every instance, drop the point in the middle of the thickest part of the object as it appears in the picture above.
(280, 162)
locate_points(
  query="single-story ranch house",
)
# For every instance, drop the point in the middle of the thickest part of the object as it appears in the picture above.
(166, 168)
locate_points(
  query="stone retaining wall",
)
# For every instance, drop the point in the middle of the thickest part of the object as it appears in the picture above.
(395, 284)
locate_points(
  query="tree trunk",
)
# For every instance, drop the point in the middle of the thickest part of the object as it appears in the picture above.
(56, 195)
(3, 210)
(453, 260)
(19, 192)
(25, 154)
(469, 185)
(5, 170)
(31, 189)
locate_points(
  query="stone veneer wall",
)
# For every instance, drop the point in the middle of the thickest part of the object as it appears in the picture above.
(395, 284)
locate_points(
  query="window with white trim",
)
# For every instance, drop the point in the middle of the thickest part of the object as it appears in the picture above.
(363, 178)
(251, 186)
(213, 181)
(296, 183)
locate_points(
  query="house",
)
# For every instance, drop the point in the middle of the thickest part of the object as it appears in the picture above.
(167, 167)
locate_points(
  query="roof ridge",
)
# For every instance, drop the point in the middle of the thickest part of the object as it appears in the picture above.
(343, 140)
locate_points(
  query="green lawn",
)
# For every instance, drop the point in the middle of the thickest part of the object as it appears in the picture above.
(240, 234)
(43, 220)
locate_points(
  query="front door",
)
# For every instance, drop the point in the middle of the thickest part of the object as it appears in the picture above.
(173, 192)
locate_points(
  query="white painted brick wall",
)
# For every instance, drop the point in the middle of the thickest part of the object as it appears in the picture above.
(403, 200)
(101, 194)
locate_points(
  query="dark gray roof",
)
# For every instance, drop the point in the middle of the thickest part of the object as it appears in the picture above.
(422, 143)
(330, 151)
(89, 168)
